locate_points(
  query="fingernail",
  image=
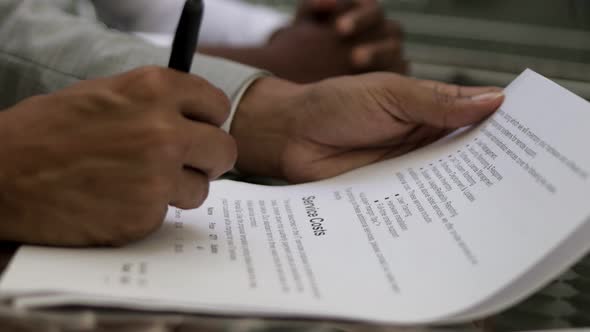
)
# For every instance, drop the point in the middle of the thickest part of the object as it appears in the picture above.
(488, 96)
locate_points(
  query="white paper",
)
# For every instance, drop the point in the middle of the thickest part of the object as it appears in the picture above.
(451, 232)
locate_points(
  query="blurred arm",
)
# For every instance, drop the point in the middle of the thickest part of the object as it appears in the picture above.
(226, 22)
(43, 49)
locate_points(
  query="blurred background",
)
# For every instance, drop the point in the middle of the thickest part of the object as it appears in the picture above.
(485, 42)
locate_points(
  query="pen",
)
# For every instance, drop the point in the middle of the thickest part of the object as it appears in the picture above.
(186, 36)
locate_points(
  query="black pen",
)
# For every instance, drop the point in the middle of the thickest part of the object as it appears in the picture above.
(186, 36)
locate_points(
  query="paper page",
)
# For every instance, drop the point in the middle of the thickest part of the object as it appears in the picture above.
(419, 239)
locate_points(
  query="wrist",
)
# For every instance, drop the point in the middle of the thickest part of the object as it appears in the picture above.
(263, 124)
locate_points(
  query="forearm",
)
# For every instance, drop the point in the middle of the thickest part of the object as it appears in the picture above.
(43, 49)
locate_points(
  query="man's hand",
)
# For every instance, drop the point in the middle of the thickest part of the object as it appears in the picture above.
(327, 38)
(375, 43)
(98, 163)
(312, 132)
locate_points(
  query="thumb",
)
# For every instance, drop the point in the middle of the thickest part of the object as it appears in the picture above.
(447, 106)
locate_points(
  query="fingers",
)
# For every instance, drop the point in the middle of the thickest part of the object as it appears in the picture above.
(375, 42)
(365, 15)
(190, 95)
(444, 105)
(210, 152)
(200, 108)
(209, 149)
(203, 102)
(194, 150)
(380, 50)
(379, 55)
(192, 189)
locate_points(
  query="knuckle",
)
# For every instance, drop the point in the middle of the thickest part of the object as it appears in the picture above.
(227, 155)
(38, 103)
(152, 80)
(162, 134)
(447, 105)
(220, 110)
(161, 140)
(102, 101)
(156, 185)
(151, 72)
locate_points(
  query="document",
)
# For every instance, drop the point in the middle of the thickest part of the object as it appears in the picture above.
(452, 232)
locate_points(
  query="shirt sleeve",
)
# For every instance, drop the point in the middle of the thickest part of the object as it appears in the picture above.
(144, 16)
(236, 23)
(43, 48)
(225, 22)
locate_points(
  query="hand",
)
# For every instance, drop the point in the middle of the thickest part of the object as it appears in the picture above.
(312, 132)
(328, 38)
(98, 163)
(376, 42)
(308, 52)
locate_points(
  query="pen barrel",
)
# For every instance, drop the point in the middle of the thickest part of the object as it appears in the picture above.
(187, 35)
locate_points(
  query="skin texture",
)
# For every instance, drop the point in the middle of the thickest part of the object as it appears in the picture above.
(98, 163)
(310, 132)
(327, 38)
